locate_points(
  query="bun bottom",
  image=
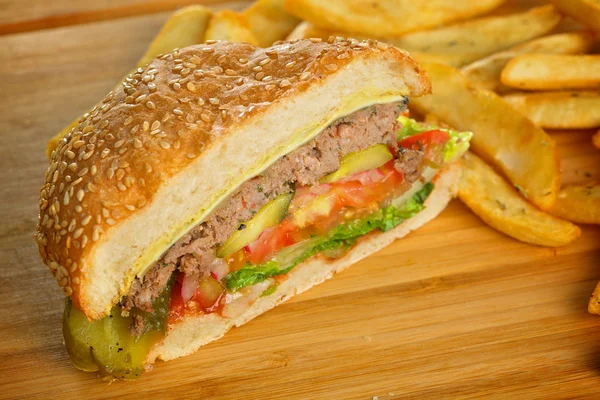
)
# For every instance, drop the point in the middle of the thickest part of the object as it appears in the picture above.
(189, 334)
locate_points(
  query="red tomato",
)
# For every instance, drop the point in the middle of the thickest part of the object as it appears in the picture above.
(270, 241)
(424, 139)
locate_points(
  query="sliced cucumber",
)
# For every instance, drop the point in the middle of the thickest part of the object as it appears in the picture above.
(359, 161)
(267, 217)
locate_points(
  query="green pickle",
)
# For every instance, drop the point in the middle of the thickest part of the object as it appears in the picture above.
(106, 345)
(268, 216)
(359, 161)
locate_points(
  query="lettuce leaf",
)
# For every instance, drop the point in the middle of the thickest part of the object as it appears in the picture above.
(456, 146)
(343, 236)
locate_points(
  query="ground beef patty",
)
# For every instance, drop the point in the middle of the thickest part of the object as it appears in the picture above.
(195, 252)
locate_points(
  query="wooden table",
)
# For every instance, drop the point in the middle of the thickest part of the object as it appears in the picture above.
(454, 310)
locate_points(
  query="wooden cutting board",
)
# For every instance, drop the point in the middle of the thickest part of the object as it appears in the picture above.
(455, 310)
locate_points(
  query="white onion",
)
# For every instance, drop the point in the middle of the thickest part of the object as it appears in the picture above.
(219, 268)
(189, 286)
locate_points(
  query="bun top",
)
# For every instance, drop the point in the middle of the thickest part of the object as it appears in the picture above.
(165, 117)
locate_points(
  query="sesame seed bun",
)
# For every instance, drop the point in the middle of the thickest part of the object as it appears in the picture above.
(180, 135)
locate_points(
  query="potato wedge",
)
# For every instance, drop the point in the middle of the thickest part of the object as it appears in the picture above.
(585, 11)
(499, 205)
(594, 304)
(552, 72)
(269, 22)
(184, 27)
(481, 37)
(578, 203)
(559, 110)
(386, 17)
(231, 26)
(502, 136)
(596, 140)
(306, 30)
(485, 73)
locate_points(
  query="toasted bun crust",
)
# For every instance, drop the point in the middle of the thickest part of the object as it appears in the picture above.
(180, 135)
(189, 334)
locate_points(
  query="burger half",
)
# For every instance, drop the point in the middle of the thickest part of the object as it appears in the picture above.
(222, 179)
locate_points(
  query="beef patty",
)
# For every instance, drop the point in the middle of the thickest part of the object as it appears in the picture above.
(195, 252)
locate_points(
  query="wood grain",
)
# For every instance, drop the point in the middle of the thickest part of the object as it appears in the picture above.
(24, 16)
(455, 310)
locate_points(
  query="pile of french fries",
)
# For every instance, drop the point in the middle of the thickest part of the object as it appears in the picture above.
(505, 76)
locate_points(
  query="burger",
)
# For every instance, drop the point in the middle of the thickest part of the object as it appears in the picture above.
(222, 179)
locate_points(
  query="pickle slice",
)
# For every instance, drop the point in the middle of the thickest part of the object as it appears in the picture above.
(360, 161)
(107, 344)
(268, 216)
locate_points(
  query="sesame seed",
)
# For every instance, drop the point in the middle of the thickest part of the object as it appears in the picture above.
(316, 40)
(342, 56)
(205, 117)
(150, 105)
(145, 126)
(137, 143)
(243, 96)
(164, 144)
(177, 144)
(121, 187)
(243, 60)
(185, 71)
(77, 233)
(78, 208)
(190, 155)
(70, 154)
(130, 207)
(166, 117)
(290, 64)
(208, 50)
(152, 86)
(104, 153)
(148, 167)
(155, 125)
(120, 174)
(134, 129)
(154, 132)
(177, 86)
(141, 98)
(191, 87)
(214, 100)
(110, 221)
(66, 198)
(78, 144)
(83, 172)
(305, 75)
(201, 101)
(284, 83)
(80, 194)
(217, 70)
(270, 87)
(331, 67)
(110, 173)
(119, 143)
(230, 72)
(177, 111)
(265, 61)
(267, 78)
(258, 68)
(259, 76)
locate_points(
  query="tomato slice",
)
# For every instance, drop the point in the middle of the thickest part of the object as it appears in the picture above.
(421, 141)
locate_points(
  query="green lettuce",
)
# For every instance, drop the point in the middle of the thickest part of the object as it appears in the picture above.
(341, 237)
(455, 147)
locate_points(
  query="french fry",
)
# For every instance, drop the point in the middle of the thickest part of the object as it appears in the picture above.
(594, 304)
(596, 140)
(185, 27)
(578, 203)
(230, 26)
(269, 22)
(499, 205)
(477, 38)
(485, 73)
(586, 11)
(559, 110)
(386, 17)
(552, 72)
(502, 136)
